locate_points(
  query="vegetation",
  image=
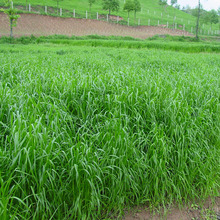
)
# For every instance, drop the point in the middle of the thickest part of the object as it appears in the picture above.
(137, 8)
(158, 42)
(129, 6)
(91, 2)
(163, 4)
(197, 21)
(12, 15)
(111, 5)
(57, 2)
(150, 9)
(86, 132)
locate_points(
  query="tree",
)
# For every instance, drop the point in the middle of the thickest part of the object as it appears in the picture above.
(219, 17)
(137, 8)
(57, 1)
(177, 6)
(12, 15)
(173, 2)
(91, 2)
(163, 3)
(213, 17)
(129, 6)
(111, 5)
(197, 23)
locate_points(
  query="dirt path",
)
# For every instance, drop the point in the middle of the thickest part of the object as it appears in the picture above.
(39, 25)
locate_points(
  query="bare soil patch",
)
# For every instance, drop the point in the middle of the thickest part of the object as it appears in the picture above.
(209, 210)
(38, 25)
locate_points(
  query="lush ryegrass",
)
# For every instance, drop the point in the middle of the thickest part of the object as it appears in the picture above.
(86, 131)
(157, 42)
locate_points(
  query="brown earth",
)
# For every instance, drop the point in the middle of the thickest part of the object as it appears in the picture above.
(38, 25)
(208, 210)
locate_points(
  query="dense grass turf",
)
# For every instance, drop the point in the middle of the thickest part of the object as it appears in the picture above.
(86, 131)
(177, 43)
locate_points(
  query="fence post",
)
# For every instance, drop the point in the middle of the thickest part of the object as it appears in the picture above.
(29, 8)
(46, 9)
(86, 15)
(61, 12)
(12, 6)
(97, 16)
(175, 25)
(148, 22)
(128, 21)
(158, 22)
(167, 24)
(74, 13)
(139, 22)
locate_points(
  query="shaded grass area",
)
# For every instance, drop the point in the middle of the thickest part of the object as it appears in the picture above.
(86, 131)
(164, 42)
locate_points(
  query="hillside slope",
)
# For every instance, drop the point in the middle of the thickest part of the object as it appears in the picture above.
(39, 25)
(151, 14)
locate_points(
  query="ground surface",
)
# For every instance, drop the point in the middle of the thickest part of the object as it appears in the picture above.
(209, 210)
(39, 25)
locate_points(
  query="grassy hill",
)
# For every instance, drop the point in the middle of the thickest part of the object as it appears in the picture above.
(150, 14)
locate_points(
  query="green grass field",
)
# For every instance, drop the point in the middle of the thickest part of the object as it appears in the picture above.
(150, 10)
(88, 131)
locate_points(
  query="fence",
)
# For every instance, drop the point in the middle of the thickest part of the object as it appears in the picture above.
(165, 21)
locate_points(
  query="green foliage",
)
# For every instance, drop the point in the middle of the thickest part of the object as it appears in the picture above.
(162, 2)
(12, 15)
(137, 6)
(167, 42)
(111, 5)
(209, 17)
(173, 2)
(91, 2)
(213, 16)
(86, 132)
(129, 6)
(58, 1)
(151, 5)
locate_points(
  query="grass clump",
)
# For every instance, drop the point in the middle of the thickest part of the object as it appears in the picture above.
(86, 131)
(157, 42)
